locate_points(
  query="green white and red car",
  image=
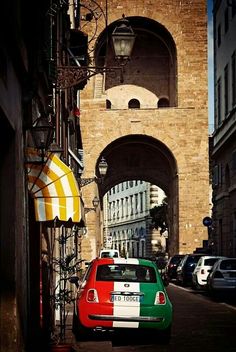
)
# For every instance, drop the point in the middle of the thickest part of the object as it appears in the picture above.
(112, 296)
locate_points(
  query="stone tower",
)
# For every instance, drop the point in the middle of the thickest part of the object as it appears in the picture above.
(152, 126)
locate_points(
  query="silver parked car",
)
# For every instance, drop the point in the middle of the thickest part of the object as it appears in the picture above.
(202, 270)
(222, 277)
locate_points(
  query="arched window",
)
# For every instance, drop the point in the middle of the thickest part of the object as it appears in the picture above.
(134, 104)
(163, 103)
(108, 104)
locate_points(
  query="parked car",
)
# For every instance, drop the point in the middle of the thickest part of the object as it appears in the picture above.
(222, 277)
(118, 293)
(109, 253)
(171, 266)
(186, 267)
(202, 269)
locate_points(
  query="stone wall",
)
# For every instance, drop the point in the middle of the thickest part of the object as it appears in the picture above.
(183, 129)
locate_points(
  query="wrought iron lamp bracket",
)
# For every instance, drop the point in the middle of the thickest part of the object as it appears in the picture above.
(69, 76)
(87, 210)
(86, 181)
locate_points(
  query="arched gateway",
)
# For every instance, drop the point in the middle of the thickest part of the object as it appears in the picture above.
(163, 137)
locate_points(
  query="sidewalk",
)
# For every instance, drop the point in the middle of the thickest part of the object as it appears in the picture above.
(85, 346)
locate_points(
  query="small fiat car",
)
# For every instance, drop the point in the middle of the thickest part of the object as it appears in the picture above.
(118, 293)
(202, 270)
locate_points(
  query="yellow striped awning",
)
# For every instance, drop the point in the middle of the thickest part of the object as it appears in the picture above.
(55, 190)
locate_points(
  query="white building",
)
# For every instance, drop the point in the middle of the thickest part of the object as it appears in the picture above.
(127, 219)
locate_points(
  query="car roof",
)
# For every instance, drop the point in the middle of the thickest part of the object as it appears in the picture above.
(132, 261)
(227, 258)
(212, 256)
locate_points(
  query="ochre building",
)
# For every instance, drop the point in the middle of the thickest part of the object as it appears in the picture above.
(152, 125)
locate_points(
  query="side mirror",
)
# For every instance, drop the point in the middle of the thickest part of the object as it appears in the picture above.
(74, 280)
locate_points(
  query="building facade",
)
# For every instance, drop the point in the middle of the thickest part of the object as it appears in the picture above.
(40, 203)
(223, 234)
(151, 124)
(127, 222)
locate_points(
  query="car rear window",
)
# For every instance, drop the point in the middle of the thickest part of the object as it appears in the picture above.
(126, 272)
(228, 265)
(193, 259)
(109, 254)
(175, 260)
(210, 261)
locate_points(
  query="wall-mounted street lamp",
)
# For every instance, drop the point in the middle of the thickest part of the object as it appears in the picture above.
(82, 231)
(41, 133)
(95, 202)
(102, 168)
(123, 39)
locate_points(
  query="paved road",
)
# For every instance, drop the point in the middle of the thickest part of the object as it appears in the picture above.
(200, 325)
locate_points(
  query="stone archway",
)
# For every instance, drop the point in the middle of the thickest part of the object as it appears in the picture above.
(140, 157)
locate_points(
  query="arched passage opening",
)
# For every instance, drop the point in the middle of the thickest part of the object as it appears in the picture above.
(140, 157)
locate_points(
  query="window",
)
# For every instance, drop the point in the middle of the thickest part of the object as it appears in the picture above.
(126, 272)
(108, 104)
(163, 103)
(228, 264)
(226, 84)
(126, 206)
(131, 206)
(141, 202)
(219, 102)
(118, 209)
(113, 211)
(210, 261)
(134, 104)
(136, 203)
(219, 35)
(215, 177)
(233, 69)
(122, 207)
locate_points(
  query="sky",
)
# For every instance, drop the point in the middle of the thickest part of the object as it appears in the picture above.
(210, 67)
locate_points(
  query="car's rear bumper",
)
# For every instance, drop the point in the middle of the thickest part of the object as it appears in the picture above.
(125, 318)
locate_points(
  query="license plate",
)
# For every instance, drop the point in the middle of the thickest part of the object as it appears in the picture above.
(126, 298)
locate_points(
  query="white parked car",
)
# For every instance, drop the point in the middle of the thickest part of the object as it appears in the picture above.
(222, 277)
(109, 253)
(202, 270)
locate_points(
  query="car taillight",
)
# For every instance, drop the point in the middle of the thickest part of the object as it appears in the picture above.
(92, 296)
(218, 275)
(160, 298)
